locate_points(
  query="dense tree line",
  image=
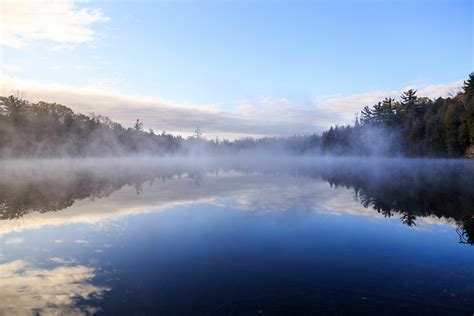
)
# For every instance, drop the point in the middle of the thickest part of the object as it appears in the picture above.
(49, 129)
(413, 126)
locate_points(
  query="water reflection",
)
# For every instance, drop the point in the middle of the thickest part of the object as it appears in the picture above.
(407, 189)
(238, 237)
(465, 231)
(49, 291)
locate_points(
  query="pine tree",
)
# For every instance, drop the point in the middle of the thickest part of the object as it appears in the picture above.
(468, 118)
(366, 116)
(409, 97)
(197, 133)
(469, 88)
(138, 125)
(388, 112)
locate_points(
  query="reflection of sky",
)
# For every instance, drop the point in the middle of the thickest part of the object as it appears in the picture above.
(53, 291)
(251, 192)
(207, 247)
(180, 240)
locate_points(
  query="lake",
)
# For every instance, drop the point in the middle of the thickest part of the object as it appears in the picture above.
(237, 236)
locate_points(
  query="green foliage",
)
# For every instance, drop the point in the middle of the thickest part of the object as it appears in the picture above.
(469, 88)
(423, 127)
(413, 126)
(49, 129)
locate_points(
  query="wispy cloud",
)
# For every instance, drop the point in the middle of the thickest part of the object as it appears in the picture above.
(11, 68)
(60, 21)
(263, 116)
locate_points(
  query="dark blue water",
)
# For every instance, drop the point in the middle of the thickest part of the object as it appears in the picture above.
(240, 242)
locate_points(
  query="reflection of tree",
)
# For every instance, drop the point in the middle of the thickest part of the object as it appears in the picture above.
(42, 195)
(139, 188)
(411, 190)
(197, 177)
(408, 219)
(47, 193)
(466, 231)
(408, 190)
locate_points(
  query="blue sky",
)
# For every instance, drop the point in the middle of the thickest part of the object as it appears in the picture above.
(237, 59)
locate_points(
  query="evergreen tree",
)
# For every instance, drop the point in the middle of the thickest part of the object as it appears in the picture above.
(138, 126)
(366, 116)
(468, 88)
(468, 118)
(388, 111)
(409, 97)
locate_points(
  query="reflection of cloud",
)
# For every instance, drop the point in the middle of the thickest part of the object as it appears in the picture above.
(281, 193)
(434, 220)
(252, 192)
(58, 21)
(14, 241)
(121, 203)
(81, 241)
(25, 289)
(62, 260)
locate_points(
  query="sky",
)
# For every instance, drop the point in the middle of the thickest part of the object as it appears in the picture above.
(233, 68)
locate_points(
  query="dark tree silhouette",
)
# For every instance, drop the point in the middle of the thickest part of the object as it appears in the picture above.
(138, 126)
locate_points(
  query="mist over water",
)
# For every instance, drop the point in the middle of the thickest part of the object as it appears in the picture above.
(244, 234)
(420, 187)
(226, 158)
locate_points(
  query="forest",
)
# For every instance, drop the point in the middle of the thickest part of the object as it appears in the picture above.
(413, 126)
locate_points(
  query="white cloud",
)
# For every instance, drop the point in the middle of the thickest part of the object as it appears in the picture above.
(60, 21)
(61, 47)
(12, 68)
(264, 116)
(80, 67)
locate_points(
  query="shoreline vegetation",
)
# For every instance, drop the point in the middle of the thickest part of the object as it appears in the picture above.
(413, 126)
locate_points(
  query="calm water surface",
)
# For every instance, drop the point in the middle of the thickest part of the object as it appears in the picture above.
(295, 237)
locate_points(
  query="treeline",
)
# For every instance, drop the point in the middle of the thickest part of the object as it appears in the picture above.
(50, 130)
(412, 126)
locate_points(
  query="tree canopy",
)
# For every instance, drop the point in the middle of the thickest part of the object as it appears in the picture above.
(412, 126)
